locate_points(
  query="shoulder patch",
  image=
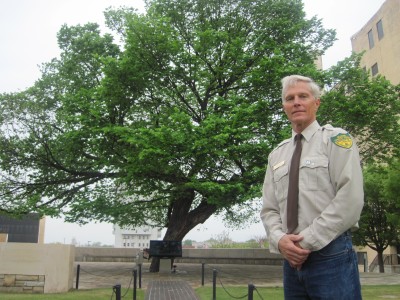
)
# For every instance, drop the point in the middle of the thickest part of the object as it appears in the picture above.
(342, 140)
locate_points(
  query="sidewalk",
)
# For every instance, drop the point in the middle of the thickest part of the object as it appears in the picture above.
(170, 289)
(107, 274)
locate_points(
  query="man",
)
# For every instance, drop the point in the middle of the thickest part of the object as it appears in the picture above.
(320, 262)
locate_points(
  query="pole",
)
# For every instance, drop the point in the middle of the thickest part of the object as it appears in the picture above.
(214, 284)
(202, 274)
(78, 271)
(117, 290)
(134, 283)
(250, 291)
(140, 275)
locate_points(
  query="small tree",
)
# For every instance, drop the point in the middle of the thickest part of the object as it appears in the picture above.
(222, 240)
(378, 229)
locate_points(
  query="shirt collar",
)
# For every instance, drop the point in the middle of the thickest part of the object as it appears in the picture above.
(309, 131)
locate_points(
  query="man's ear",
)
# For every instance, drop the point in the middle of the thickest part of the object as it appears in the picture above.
(317, 103)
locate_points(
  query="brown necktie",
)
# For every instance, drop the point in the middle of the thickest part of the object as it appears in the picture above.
(293, 192)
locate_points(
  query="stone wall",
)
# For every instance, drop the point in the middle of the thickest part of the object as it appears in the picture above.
(36, 268)
(32, 284)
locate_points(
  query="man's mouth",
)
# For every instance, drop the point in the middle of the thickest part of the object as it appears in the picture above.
(295, 112)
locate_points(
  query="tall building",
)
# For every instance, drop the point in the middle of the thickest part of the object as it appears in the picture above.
(380, 39)
(138, 237)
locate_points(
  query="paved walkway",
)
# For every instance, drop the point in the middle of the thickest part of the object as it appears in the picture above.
(170, 290)
(107, 274)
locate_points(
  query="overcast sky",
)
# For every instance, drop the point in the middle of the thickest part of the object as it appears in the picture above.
(28, 31)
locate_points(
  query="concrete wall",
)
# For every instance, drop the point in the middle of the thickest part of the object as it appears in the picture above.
(230, 256)
(211, 256)
(36, 268)
(93, 254)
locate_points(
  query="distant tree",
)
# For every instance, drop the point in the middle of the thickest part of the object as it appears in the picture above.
(261, 240)
(222, 240)
(379, 219)
(188, 242)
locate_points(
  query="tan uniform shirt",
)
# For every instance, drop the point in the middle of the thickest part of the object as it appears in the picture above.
(331, 193)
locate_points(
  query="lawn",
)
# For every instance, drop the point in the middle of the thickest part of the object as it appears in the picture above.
(369, 292)
(95, 294)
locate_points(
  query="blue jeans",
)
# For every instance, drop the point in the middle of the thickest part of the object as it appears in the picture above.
(330, 273)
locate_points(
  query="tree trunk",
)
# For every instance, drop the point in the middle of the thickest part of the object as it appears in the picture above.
(155, 264)
(182, 220)
(380, 262)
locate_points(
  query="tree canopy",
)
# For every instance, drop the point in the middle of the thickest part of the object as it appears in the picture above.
(173, 123)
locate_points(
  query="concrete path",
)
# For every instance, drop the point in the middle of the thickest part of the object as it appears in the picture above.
(107, 274)
(170, 290)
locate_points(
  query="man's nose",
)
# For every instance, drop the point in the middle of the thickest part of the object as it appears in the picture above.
(296, 100)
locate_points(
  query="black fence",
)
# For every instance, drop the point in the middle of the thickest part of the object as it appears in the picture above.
(210, 275)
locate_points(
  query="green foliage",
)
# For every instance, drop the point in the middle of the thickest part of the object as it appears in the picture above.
(188, 242)
(175, 123)
(368, 108)
(380, 217)
(167, 128)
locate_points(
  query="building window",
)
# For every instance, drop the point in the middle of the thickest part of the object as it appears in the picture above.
(379, 28)
(374, 69)
(370, 39)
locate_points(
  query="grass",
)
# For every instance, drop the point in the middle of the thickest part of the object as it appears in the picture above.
(369, 292)
(94, 294)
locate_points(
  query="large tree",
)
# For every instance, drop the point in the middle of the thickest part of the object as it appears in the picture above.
(168, 127)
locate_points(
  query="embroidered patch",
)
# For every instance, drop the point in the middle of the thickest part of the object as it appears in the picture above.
(342, 140)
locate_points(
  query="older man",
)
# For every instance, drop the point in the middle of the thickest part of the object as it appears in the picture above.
(312, 199)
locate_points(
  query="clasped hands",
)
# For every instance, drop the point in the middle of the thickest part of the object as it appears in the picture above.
(291, 250)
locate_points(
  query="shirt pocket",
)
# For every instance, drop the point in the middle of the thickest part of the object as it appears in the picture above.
(281, 180)
(314, 173)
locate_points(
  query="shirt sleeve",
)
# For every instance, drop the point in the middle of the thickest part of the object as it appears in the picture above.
(270, 212)
(343, 211)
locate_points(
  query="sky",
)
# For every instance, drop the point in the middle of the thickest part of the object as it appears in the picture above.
(28, 35)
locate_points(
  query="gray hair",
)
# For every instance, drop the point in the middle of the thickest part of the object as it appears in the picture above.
(292, 80)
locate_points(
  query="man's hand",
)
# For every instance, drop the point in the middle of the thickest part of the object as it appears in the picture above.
(291, 250)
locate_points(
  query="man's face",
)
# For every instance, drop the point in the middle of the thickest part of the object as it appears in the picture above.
(300, 106)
